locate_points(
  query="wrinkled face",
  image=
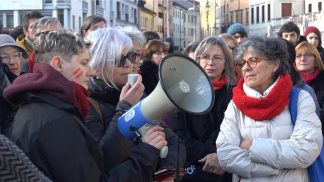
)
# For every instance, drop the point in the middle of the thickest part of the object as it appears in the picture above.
(138, 49)
(313, 39)
(29, 31)
(77, 69)
(94, 27)
(120, 72)
(257, 71)
(12, 57)
(157, 56)
(213, 62)
(305, 61)
(292, 37)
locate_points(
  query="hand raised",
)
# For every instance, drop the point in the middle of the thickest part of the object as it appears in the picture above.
(132, 94)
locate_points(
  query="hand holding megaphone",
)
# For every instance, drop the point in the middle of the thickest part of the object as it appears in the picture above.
(155, 136)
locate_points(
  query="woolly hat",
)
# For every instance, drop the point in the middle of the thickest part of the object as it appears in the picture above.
(7, 40)
(236, 28)
(312, 29)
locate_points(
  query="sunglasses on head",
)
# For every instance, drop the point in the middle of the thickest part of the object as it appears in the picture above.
(131, 56)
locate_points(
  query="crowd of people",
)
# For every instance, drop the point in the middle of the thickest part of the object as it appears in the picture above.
(63, 92)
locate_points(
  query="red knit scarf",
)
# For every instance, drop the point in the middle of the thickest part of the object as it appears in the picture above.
(218, 84)
(265, 108)
(309, 78)
(81, 95)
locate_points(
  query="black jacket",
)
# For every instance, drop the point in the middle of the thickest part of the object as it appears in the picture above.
(108, 97)
(51, 131)
(200, 132)
(150, 75)
(318, 86)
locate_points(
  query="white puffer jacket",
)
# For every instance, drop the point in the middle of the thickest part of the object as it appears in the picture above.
(279, 152)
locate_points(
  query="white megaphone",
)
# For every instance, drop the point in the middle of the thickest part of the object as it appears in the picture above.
(183, 85)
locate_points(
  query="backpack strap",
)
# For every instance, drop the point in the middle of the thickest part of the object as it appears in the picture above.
(293, 100)
(96, 106)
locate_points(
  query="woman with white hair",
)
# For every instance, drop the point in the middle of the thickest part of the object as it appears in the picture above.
(111, 59)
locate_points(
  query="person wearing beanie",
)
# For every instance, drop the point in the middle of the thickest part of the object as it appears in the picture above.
(238, 32)
(313, 36)
(290, 31)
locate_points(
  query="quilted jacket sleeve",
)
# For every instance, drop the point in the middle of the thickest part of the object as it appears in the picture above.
(303, 146)
(232, 158)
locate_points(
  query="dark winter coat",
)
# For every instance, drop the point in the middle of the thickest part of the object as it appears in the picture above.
(150, 75)
(200, 132)
(318, 86)
(108, 97)
(51, 131)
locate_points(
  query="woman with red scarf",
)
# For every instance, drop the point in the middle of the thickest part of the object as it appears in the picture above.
(258, 141)
(200, 132)
(310, 65)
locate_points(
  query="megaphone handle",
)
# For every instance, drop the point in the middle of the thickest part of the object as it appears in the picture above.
(164, 152)
(141, 132)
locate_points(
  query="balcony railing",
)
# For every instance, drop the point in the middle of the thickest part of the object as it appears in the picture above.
(99, 11)
(63, 3)
(84, 6)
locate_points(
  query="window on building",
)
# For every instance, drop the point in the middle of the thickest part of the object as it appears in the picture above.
(257, 15)
(252, 15)
(231, 18)
(263, 14)
(309, 8)
(269, 12)
(60, 16)
(80, 23)
(48, 1)
(319, 6)
(247, 16)
(286, 9)
(10, 20)
(73, 22)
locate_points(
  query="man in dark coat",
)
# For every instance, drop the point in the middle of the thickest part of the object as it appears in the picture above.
(49, 125)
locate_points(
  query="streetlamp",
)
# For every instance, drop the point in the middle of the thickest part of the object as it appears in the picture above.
(207, 12)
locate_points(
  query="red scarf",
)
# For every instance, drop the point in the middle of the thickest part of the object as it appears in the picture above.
(266, 108)
(218, 84)
(82, 102)
(31, 62)
(309, 78)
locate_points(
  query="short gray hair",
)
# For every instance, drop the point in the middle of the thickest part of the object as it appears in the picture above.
(206, 43)
(136, 35)
(57, 43)
(275, 49)
(106, 48)
(43, 23)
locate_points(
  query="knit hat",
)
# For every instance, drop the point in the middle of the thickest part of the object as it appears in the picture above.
(236, 28)
(7, 40)
(312, 29)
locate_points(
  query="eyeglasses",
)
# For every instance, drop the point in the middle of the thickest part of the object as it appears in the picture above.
(205, 58)
(6, 58)
(131, 56)
(252, 62)
(306, 55)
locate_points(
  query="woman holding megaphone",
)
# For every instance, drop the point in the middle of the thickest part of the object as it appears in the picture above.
(200, 132)
(111, 59)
